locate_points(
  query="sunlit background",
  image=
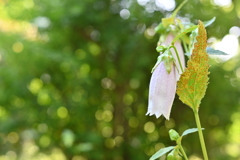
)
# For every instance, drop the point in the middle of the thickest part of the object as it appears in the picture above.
(74, 79)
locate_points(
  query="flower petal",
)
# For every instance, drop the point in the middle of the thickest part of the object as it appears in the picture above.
(162, 91)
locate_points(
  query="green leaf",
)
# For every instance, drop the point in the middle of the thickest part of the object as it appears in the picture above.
(215, 52)
(161, 152)
(208, 23)
(167, 21)
(193, 82)
(211, 51)
(160, 29)
(189, 24)
(188, 131)
(188, 54)
(184, 32)
(194, 33)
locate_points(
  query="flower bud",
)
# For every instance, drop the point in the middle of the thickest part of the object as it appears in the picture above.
(168, 60)
(174, 136)
(174, 155)
(161, 48)
(171, 156)
(178, 157)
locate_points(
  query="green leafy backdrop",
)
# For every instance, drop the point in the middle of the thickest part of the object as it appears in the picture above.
(74, 79)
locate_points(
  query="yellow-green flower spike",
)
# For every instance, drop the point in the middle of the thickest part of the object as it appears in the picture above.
(193, 82)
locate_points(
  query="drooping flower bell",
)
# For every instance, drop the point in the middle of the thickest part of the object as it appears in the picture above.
(164, 79)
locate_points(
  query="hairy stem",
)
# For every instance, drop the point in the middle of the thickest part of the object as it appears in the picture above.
(204, 150)
(185, 47)
(183, 152)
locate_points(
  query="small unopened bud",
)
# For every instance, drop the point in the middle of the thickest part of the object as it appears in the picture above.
(174, 136)
(178, 157)
(171, 156)
(161, 49)
(174, 155)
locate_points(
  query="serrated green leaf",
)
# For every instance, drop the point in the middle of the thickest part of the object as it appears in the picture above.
(161, 152)
(215, 52)
(188, 131)
(195, 32)
(193, 82)
(184, 32)
(208, 23)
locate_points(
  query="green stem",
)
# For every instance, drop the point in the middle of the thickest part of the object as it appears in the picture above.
(204, 150)
(179, 61)
(183, 152)
(185, 47)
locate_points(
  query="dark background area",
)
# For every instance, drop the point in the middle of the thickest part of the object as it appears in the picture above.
(74, 78)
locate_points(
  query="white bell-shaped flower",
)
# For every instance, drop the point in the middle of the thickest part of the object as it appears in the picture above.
(163, 83)
(162, 91)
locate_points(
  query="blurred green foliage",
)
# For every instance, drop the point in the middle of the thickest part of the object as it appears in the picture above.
(74, 81)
